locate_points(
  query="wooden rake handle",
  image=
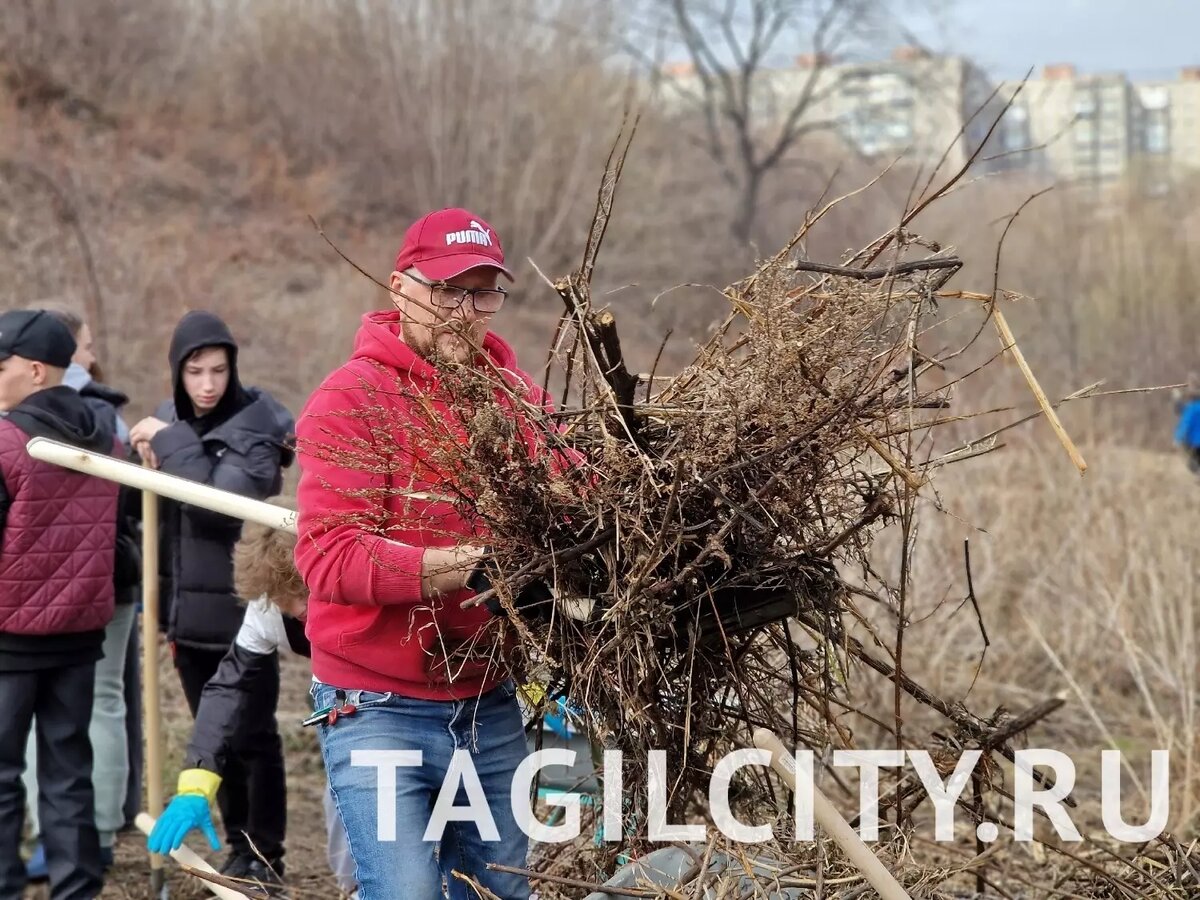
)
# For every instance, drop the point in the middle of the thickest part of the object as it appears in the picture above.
(832, 822)
(162, 484)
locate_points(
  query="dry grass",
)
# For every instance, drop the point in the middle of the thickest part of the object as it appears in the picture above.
(1087, 588)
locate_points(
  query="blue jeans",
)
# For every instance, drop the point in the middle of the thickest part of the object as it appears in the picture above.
(392, 856)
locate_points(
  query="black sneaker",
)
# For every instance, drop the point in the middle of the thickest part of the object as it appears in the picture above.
(268, 877)
(237, 865)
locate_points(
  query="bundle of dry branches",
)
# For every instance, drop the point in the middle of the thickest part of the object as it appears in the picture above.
(708, 533)
(687, 520)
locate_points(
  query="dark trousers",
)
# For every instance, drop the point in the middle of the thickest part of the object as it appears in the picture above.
(253, 793)
(62, 700)
(133, 722)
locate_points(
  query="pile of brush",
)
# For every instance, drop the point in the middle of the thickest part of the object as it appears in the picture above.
(691, 525)
(685, 521)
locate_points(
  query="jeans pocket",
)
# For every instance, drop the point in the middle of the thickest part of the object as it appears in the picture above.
(507, 689)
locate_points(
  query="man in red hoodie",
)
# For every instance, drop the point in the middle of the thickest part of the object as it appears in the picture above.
(387, 559)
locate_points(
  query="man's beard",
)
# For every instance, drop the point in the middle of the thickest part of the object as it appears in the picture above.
(428, 345)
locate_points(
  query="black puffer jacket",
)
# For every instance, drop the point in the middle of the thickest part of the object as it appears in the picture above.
(232, 698)
(242, 446)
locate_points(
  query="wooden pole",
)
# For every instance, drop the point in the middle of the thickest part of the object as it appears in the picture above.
(1010, 344)
(832, 822)
(150, 694)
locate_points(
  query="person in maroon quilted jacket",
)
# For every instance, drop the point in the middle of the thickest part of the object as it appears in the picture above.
(57, 532)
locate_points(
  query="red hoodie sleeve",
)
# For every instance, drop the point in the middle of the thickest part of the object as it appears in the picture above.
(340, 551)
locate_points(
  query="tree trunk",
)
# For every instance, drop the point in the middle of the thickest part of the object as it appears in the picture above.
(745, 218)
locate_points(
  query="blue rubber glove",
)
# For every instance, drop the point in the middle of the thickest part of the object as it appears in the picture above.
(185, 812)
(560, 723)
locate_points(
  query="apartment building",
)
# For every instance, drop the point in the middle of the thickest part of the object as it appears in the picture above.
(1098, 128)
(1087, 128)
(1082, 128)
(915, 104)
(1171, 118)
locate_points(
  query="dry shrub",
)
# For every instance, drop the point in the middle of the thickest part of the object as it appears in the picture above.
(1086, 588)
(361, 115)
(96, 58)
(686, 523)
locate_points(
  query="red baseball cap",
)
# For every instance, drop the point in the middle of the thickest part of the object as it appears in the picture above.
(448, 242)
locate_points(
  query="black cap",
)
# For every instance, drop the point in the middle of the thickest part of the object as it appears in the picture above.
(37, 335)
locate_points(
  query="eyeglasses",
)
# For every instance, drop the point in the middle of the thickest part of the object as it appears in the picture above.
(449, 296)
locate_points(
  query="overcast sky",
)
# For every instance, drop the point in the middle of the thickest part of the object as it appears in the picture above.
(1144, 38)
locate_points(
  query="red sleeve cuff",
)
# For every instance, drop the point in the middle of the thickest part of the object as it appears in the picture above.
(396, 573)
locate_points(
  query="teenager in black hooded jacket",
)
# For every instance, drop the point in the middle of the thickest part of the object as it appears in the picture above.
(238, 439)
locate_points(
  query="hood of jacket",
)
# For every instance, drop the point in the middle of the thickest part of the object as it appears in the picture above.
(110, 395)
(379, 339)
(196, 330)
(262, 420)
(105, 401)
(61, 414)
(80, 379)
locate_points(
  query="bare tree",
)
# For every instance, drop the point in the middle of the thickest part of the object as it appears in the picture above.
(752, 121)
